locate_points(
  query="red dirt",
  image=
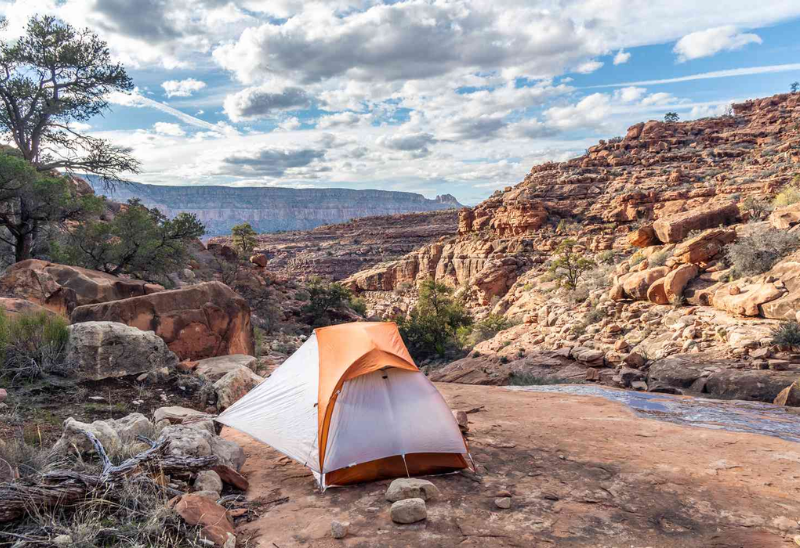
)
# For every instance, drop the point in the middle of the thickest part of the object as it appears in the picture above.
(583, 471)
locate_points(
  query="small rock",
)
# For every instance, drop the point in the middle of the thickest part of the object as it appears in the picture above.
(621, 345)
(503, 503)
(208, 480)
(463, 421)
(339, 529)
(411, 488)
(409, 511)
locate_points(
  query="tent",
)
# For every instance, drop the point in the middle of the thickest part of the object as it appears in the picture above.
(352, 406)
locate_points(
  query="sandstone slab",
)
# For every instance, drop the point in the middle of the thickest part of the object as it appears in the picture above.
(675, 228)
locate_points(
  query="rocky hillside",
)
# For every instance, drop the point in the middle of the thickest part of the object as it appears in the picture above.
(646, 209)
(273, 209)
(339, 250)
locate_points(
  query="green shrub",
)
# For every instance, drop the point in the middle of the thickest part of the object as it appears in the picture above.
(657, 259)
(788, 196)
(483, 330)
(431, 327)
(32, 345)
(358, 305)
(606, 257)
(787, 334)
(636, 258)
(759, 251)
(757, 208)
(325, 300)
(568, 267)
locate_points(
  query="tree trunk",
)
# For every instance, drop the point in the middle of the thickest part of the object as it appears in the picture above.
(23, 246)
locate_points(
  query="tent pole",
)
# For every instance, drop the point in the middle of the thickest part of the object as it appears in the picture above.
(406, 465)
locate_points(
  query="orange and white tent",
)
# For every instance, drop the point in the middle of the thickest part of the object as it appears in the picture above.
(352, 406)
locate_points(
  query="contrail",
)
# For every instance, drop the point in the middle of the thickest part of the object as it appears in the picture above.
(706, 75)
(136, 99)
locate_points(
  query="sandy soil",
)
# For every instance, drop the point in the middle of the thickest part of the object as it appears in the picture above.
(583, 471)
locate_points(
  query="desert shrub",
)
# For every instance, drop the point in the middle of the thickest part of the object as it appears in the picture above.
(788, 196)
(757, 208)
(636, 258)
(787, 334)
(518, 378)
(244, 238)
(431, 327)
(606, 257)
(759, 251)
(359, 305)
(483, 330)
(28, 459)
(594, 315)
(32, 345)
(568, 267)
(657, 259)
(325, 300)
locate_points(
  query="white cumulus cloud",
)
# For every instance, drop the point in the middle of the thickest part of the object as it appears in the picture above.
(182, 88)
(622, 57)
(712, 41)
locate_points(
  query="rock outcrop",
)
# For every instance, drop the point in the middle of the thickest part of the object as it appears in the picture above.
(196, 322)
(61, 288)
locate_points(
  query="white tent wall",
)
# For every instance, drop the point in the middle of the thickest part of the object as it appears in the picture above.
(282, 411)
(388, 413)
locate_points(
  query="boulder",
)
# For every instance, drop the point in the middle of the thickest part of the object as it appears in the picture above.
(103, 350)
(674, 228)
(504, 503)
(676, 281)
(789, 396)
(198, 442)
(212, 518)
(214, 369)
(235, 384)
(208, 480)
(636, 285)
(196, 322)
(61, 288)
(14, 307)
(409, 511)
(785, 217)
(411, 488)
(111, 433)
(339, 529)
(656, 293)
(703, 247)
(259, 260)
(231, 477)
(745, 300)
(643, 237)
(461, 418)
(179, 415)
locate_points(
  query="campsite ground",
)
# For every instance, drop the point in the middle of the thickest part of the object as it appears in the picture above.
(583, 471)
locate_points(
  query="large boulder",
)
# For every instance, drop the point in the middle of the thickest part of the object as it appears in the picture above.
(786, 217)
(196, 322)
(411, 488)
(61, 288)
(636, 285)
(787, 271)
(674, 228)
(676, 281)
(745, 299)
(15, 307)
(214, 369)
(789, 396)
(703, 247)
(103, 350)
(643, 237)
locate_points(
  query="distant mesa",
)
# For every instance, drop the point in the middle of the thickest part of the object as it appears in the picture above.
(271, 209)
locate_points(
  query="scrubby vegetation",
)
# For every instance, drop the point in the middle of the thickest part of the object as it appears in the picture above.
(568, 267)
(787, 334)
(138, 241)
(32, 345)
(517, 378)
(244, 238)
(470, 335)
(328, 302)
(432, 326)
(758, 251)
(788, 196)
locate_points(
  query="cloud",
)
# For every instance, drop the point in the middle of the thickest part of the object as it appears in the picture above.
(622, 57)
(630, 94)
(182, 88)
(270, 162)
(591, 111)
(166, 128)
(262, 102)
(712, 41)
(137, 100)
(706, 111)
(588, 67)
(416, 143)
(340, 119)
(659, 99)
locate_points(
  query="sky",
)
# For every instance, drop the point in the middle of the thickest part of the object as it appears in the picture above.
(429, 96)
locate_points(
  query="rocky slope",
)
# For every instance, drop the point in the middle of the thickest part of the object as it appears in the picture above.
(273, 209)
(664, 190)
(339, 250)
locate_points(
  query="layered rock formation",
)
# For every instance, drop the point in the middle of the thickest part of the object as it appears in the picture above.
(273, 209)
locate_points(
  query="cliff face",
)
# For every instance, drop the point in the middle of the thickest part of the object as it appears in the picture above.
(273, 209)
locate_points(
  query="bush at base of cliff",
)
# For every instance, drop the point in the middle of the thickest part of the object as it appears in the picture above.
(787, 334)
(330, 303)
(491, 325)
(757, 252)
(430, 330)
(32, 345)
(788, 196)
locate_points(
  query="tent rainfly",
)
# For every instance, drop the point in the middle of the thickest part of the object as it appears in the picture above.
(352, 406)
